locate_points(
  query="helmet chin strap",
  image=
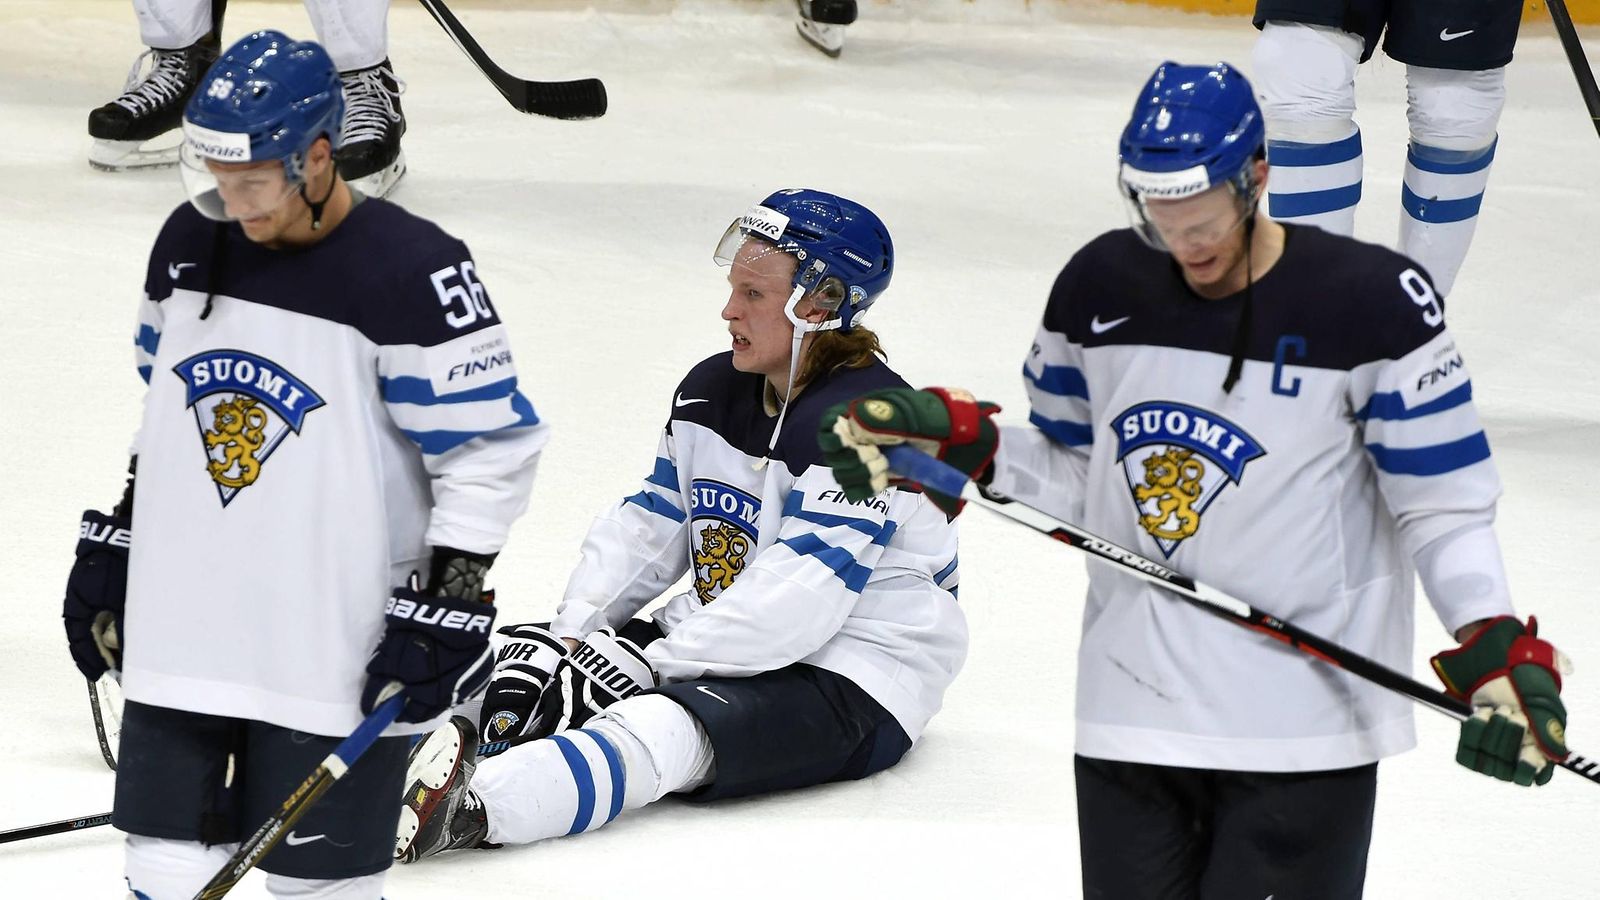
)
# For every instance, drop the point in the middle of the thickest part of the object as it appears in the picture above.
(801, 329)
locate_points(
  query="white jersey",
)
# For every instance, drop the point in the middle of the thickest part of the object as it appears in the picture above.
(1347, 457)
(338, 411)
(786, 569)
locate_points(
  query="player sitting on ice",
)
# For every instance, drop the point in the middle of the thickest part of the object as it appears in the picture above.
(819, 634)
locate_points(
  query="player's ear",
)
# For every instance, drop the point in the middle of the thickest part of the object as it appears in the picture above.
(319, 156)
(1262, 171)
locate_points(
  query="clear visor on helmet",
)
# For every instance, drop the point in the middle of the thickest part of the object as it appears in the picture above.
(745, 247)
(221, 180)
(1175, 211)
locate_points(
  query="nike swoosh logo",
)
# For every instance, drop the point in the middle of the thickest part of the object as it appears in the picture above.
(174, 269)
(295, 840)
(680, 401)
(1099, 327)
(1446, 34)
(707, 691)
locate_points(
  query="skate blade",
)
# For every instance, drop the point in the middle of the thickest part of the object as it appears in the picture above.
(428, 779)
(381, 182)
(827, 38)
(123, 156)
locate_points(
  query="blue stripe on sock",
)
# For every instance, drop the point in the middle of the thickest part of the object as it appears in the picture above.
(1438, 211)
(1311, 203)
(1440, 161)
(619, 784)
(584, 779)
(1295, 153)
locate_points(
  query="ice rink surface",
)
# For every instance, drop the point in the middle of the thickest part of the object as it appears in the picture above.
(985, 135)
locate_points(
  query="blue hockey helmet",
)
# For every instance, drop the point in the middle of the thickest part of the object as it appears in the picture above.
(844, 257)
(267, 97)
(1192, 128)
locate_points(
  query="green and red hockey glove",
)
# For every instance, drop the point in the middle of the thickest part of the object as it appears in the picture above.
(947, 424)
(1517, 730)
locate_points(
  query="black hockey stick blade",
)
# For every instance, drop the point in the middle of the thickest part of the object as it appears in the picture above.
(581, 99)
(924, 469)
(1577, 59)
(95, 702)
(65, 825)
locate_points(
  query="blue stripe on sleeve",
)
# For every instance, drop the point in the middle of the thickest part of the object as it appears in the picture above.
(614, 763)
(1391, 407)
(406, 389)
(792, 509)
(657, 504)
(1072, 434)
(942, 574)
(584, 779)
(148, 339)
(1296, 153)
(844, 566)
(1438, 211)
(436, 442)
(665, 474)
(1434, 460)
(144, 372)
(1311, 203)
(1063, 381)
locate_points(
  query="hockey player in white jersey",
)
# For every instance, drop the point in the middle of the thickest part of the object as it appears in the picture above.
(1456, 53)
(183, 37)
(319, 434)
(1282, 413)
(818, 634)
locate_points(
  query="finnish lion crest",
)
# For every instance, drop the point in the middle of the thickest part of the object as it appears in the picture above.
(1185, 457)
(721, 557)
(238, 429)
(244, 406)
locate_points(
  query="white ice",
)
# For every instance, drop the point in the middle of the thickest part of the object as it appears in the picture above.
(984, 134)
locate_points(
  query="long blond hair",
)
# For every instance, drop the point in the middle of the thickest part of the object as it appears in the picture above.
(831, 350)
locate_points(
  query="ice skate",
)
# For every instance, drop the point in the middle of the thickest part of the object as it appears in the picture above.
(370, 157)
(822, 23)
(132, 131)
(440, 812)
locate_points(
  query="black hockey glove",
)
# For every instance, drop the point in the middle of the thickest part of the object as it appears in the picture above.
(606, 668)
(524, 699)
(436, 647)
(97, 588)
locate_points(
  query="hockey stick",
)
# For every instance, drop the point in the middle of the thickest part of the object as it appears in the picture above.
(316, 784)
(33, 831)
(491, 748)
(582, 99)
(100, 725)
(1576, 58)
(920, 467)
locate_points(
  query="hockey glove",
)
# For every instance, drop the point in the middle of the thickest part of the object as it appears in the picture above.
(97, 588)
(524, 699)
(1513, 681)
(437, 648)
(610, 668)
(946, 424)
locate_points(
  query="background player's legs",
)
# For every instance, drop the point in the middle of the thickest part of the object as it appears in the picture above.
(1140, 830)
(158, 868)
(636, 752)
(172, 24)
(1454, 116)
(1305, 80)
(1455, 55)
(173, 799)
(369, 887)
(1290, 834)
(356, 34)
(183, 39)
